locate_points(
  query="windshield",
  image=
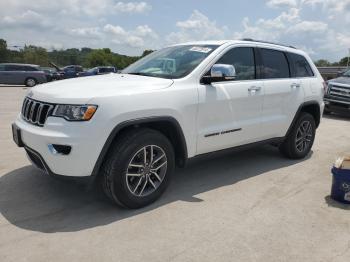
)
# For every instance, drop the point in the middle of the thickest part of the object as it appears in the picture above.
(171, 62)
(347, 73)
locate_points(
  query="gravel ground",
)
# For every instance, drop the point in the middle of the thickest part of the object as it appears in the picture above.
(248, 206)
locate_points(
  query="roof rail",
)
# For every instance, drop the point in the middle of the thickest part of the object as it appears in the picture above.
(266, 42)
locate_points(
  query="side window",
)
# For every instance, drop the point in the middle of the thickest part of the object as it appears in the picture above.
(32, 68)
(25, 68)
(300, 68)
(12, 68)
(242, 58)
(2, 67)
(275, 64)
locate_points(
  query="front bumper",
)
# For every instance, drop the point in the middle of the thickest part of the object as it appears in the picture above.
(336, 105)
(84, 140)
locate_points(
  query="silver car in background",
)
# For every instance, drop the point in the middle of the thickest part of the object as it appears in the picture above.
(21, 74)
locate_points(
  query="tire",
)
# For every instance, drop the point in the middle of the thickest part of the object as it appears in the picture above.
(300, 139)
(126, 180)
(30, 82)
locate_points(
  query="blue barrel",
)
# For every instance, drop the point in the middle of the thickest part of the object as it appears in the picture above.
(341, 185)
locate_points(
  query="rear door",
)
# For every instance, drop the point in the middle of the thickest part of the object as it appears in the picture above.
(229, 112)
(283, 93)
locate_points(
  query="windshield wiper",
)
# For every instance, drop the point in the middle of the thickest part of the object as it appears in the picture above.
(150, 75)
(141, 74)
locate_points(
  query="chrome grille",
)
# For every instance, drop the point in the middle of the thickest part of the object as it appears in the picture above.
(338, 90)
(36, 112)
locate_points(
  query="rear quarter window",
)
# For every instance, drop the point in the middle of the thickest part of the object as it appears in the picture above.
(300, 67)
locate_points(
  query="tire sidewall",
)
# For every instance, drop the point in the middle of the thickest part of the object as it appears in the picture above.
(120, 190)
(302, 118)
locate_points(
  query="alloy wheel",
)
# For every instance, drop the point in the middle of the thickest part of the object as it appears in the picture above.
(31, 82)
(304, 136)
(146, 170)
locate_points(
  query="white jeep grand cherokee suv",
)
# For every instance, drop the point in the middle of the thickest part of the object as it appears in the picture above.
(131, 129)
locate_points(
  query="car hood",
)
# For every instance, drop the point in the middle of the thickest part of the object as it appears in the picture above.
(81, 90)
(341, 80)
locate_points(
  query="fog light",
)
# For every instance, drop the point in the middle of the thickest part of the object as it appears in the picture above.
(59, 149)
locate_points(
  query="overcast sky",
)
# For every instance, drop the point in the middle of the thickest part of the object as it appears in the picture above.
(320, 27)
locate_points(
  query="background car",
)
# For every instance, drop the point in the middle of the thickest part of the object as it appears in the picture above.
(69, 71)
(72, 71)
(21, 74)
(51, 74)
(99, 70)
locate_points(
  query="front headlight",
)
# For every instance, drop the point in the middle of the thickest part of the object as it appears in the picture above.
(75, 112)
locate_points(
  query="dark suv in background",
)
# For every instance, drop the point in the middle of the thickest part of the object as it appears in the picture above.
(337, 96)
(21, 74)
(69, 71)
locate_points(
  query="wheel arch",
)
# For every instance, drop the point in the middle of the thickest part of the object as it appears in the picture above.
(311, 107)
(167, 125)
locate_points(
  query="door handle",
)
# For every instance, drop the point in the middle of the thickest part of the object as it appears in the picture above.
(295, 85)
(254, 88)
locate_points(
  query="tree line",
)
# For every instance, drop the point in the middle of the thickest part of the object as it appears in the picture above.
(87, 57)
(324, 62)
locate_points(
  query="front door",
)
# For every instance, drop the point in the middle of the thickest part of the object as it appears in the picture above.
(229, 113)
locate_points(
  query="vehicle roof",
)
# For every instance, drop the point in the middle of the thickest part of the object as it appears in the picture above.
(19, 64)
(207, 42)
(243, 41)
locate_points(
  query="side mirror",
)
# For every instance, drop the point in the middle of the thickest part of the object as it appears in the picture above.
(220, 73)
